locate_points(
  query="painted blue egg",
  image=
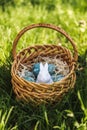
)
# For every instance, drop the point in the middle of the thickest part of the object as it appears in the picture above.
(36, 69)
(29, 74)
(56, 78)
(51, 68)
(30, 79)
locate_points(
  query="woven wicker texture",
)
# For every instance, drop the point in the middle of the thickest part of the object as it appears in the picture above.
(37, 93)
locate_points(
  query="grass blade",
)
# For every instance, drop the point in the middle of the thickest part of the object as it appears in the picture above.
(36, 126)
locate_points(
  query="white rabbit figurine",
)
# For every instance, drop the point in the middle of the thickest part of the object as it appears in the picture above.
(44, 76)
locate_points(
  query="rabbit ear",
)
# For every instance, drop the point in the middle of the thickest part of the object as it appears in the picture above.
(41, 66)
(46, 66)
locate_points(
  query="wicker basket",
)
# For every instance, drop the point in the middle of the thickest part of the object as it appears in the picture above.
(38, 93)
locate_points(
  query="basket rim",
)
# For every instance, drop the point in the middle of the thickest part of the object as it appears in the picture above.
(43, 45)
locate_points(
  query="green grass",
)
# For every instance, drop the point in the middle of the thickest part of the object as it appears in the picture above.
(71, 112)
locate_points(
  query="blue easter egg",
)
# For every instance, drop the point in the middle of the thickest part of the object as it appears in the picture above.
(51, 68)
(30, 79)
(29, 74)
(56, 78)
(36, 69)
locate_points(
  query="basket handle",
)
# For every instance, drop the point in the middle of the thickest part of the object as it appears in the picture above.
(58, 29)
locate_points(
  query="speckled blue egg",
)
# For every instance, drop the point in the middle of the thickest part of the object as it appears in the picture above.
(36, 69)
(30, 79)
(56, 78)
(51, 68)
(29, 74)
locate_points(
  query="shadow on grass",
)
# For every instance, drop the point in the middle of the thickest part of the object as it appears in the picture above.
(5, 77)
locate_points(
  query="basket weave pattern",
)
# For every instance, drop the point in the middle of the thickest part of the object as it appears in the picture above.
(35, 92)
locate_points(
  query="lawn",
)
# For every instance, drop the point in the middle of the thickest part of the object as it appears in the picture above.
(71, 112)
